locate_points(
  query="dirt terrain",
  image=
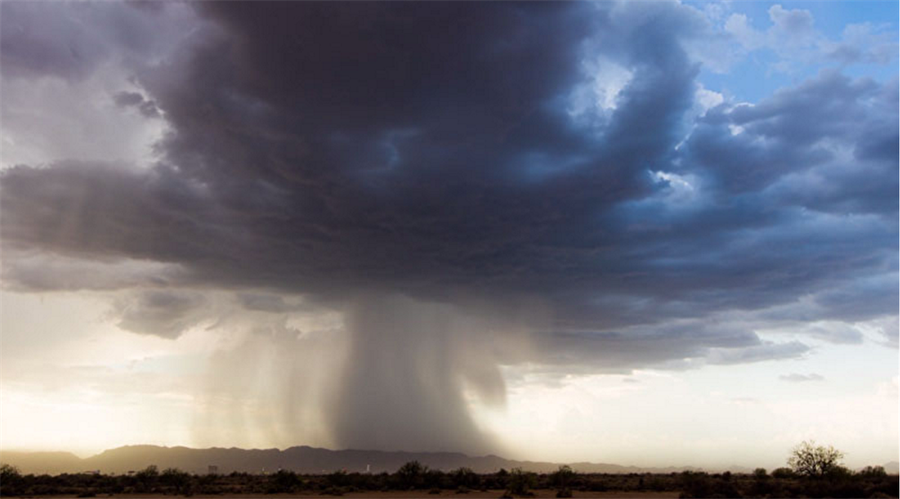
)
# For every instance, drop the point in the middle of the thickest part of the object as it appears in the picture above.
(491, 494)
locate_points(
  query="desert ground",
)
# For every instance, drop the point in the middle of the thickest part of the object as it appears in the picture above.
(491, 494)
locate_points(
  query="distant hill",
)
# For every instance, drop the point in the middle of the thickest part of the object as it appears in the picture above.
(300, 459)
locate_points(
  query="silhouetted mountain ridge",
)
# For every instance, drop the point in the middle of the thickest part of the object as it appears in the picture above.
(302, 459)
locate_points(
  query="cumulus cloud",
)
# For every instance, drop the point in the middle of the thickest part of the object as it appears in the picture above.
(793, 37)
(864, 43)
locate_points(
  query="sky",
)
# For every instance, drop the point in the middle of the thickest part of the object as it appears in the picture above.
(648, 233)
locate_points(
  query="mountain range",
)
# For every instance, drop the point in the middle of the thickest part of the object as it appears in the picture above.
(301, 459)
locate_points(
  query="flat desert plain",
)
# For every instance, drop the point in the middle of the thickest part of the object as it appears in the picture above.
(491, 494)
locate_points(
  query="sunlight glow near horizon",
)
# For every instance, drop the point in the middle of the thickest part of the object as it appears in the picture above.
(712, 416)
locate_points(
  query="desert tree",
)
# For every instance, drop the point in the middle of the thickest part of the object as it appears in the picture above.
(814, 461)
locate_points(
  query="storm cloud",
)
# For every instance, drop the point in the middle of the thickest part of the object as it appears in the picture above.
(401, 162)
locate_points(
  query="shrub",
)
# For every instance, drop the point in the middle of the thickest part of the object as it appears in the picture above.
(783, 473)
(839, 473)
(9, 472)
(873, 472)
(695, 484)
(338, 479)
(283, 481)
(562, 477)
(150, 473)
(520, 482)
(411, 475)
(173, 477)
(465, 478)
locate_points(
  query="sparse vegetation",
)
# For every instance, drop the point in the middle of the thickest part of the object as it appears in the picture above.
(561, 479)
(782, 473)
(782, 482)
(284, 482)
(465, 479)
(520, 483)
(8, 472)
(873, 472)
(411, 475)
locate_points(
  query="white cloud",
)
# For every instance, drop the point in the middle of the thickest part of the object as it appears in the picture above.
(739, 27)
(800, 378)
(793, 37)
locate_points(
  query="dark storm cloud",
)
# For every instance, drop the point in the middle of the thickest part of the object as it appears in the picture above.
(70, 41)
(266, 303)
(443, 178)
(665, 346)
(133, 99)
(39, 272)
(163, 313)
(828, 144)
(428, 149)
(36, 40)
(126, 99)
